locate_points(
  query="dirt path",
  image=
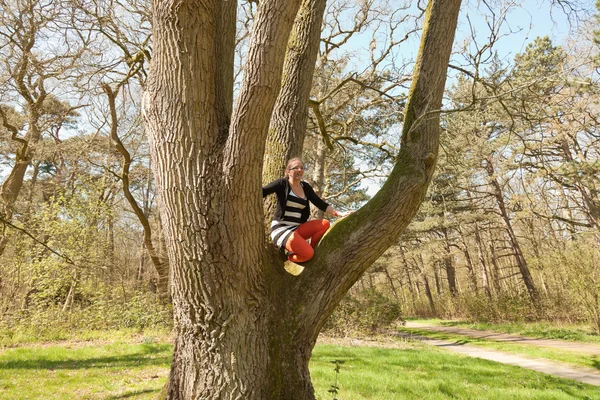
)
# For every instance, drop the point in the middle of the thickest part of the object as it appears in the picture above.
(503, 337)
(584, 375)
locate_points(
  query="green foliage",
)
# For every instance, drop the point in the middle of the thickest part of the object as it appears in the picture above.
(43, 322)
(366, 313)
(581, 261)
(334, 389)
(505, 307)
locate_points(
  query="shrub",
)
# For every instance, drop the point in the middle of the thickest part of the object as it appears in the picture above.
(366, 313)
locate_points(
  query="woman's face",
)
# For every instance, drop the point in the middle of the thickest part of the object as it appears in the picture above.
(296, 170)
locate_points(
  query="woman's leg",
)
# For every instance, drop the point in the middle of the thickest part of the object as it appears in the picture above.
(300, 249)
(313, 230)
(297, 242)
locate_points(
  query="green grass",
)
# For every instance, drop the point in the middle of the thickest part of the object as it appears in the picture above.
(117, 370)
(576, 359)
(429, 373)
(138, 371)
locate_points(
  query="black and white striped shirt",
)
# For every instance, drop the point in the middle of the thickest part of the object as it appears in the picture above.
(292, 217)
(285, 220)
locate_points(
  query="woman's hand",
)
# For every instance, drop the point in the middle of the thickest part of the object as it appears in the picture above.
(342, 213)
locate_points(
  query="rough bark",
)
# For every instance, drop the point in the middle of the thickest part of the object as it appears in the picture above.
(244, 328)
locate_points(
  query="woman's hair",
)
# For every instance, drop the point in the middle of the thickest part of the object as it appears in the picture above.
(289, 164)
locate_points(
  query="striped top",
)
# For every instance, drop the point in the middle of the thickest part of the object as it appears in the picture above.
(299, 208)
(292, 217)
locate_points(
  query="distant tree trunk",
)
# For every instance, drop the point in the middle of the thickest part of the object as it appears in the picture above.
(485, 280)
(469, 260)
(421, 266)
(391, 282)
(408, 278)
(161, 264)
(318, 176)
(449, 265)
(520, 258)
(71, 295)
(495, 269)
(436, 277)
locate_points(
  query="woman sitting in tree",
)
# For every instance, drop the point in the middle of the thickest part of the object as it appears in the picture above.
(291, 228)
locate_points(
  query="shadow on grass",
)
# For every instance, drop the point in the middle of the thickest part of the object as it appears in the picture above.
(146, 357)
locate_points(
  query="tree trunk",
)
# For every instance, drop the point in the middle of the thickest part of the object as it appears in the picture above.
(288, 123)
(10, 189)
(318, 176)
(520, 258)
(469, 260)
(421, 266)
(245, 329)
(449, 265)
(391, 282)
(408, 278)
(161, 264)
(485, 280)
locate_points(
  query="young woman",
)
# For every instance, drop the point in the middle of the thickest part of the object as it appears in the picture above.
(290, 228)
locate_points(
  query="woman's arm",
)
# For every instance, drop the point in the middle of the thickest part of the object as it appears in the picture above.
(332, 211)
(272, 187)
(323, 206)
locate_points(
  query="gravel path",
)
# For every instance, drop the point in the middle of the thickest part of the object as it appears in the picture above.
(503, 337)
(588, 376)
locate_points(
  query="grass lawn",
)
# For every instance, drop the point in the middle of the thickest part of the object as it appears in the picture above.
(134, 370)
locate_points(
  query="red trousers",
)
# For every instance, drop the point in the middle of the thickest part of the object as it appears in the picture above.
(297, 242)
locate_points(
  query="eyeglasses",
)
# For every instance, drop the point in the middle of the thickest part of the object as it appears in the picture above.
(296, 169)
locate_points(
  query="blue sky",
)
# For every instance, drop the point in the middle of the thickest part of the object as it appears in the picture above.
(523, 24)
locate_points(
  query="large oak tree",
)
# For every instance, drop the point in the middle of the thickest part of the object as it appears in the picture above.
(244, 328)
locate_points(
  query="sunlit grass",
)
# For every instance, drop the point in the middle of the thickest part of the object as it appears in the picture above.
(428, 373)
(90, 372)
(139, 370)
